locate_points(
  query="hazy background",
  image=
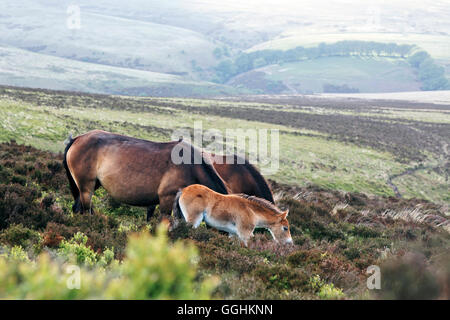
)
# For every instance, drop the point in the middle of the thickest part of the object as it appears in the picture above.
(202, 47)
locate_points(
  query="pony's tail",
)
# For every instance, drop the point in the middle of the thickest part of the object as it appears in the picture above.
(176, 205)
(73, 185)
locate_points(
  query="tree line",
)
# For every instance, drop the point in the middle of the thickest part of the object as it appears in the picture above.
(430, 74)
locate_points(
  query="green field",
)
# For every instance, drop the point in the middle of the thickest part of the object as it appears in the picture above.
(365, 74)
(321, 145)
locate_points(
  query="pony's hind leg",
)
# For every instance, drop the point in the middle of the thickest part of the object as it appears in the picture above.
(197, 218)
(86, 197)
(76, 208)
(191, 215)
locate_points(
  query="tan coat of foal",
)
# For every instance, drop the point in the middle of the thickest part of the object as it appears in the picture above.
(237, 214)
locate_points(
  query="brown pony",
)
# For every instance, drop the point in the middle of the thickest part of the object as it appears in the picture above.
(235, 214)
(133, 171)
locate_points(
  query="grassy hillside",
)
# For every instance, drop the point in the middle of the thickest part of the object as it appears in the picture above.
(106, 54)
(25, 68)
(340, 160)
(104, 39)
(193, 39)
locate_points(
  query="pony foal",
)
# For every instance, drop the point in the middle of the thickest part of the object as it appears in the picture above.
(237, 214)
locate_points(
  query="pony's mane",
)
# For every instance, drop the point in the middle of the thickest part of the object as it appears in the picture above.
(261, 203)
(261, 182)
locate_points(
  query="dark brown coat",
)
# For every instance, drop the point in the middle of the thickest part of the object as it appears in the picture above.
(134, 171)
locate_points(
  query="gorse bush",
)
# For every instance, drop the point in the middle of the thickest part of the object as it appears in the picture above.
(152, 269)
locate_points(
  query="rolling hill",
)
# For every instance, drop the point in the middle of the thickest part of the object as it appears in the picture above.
(24, 68)
(191, 39)
(104, 39)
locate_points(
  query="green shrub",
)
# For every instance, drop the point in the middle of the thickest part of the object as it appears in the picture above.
(18, 235)
(19, 180)
(153, 269)
(364, 232)
(75, 250)
(281, 277)
(45, 279)
(16, 254)
(325, 290)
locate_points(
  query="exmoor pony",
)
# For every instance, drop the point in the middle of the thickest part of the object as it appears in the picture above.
(133, 171)
(237, 214)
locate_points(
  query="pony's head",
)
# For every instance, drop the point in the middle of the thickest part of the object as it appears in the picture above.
(279, 228)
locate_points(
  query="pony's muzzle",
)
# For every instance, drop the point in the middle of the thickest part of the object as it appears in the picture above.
(289, 241)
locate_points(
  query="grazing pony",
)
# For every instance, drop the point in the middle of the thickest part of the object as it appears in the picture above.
(237, 214)
(133, 171)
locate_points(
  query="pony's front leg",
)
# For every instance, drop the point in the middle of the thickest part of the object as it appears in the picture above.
(150, 211)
